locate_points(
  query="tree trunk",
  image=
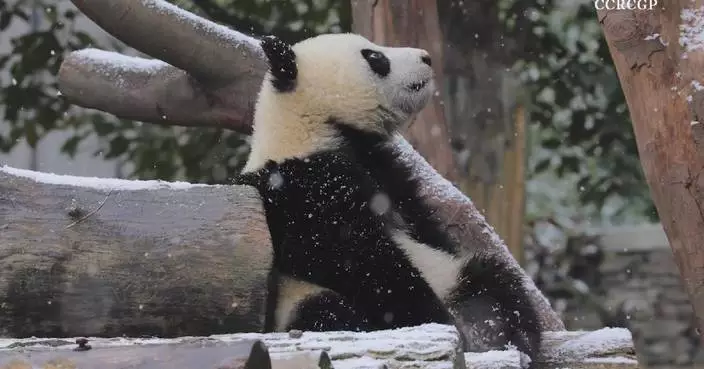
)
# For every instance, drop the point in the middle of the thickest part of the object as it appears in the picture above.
(107, 261)
(413, 23)
(481, 105)
(660, 68)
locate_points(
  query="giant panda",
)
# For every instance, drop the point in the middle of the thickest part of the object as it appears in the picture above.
(355, 247)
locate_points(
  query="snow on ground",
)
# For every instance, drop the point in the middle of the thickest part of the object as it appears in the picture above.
(97, 183)
(430, 346)
(611, 360)
(496, 359)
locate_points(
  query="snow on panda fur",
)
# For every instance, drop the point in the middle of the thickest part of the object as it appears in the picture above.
(355, 248)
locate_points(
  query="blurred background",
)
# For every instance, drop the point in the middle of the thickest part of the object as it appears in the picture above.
(538, 127)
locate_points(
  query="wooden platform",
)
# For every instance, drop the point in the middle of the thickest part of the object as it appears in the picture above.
(430, 346)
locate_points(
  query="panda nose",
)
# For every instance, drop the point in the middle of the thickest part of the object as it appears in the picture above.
(425, 58)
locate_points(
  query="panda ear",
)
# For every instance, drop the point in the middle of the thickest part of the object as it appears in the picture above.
(282, 63)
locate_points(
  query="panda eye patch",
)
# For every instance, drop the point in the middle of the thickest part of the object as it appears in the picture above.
(377, 61)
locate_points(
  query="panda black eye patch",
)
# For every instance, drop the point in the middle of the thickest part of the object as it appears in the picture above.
(377, 61)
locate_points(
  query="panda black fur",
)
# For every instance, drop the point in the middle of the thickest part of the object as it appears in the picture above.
(355, 247)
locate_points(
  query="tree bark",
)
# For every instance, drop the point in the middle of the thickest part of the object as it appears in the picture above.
(413, 23)
(81, 261)
(456, 211)
(481, 97)
(144, 90)
(660, 78)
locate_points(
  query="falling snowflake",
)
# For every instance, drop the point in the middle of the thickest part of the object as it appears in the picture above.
(389, 317)
(380, 203)
(276, 180)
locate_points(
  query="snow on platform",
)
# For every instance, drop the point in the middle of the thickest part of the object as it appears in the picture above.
(429, 346)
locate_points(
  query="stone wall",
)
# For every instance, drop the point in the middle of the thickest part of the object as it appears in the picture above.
(640, 283)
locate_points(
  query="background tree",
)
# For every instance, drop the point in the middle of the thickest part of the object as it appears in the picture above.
(659, 56)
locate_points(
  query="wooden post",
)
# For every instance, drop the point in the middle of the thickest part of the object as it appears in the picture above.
(506, 208)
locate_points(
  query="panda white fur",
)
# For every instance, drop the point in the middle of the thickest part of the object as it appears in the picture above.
(355, 247)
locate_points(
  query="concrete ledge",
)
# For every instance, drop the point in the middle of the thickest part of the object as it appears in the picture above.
(646, 237)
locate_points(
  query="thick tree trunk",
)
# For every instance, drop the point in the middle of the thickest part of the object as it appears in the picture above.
(413, 23)
(481, 96)
(159, 91)
(660, 67)
(108, 260)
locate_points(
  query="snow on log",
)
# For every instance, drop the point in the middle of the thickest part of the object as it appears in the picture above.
(430, 346)
(142, 89)
(197, 353)
(91, 256)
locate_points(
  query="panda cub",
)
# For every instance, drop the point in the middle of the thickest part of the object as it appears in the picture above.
(355, 247)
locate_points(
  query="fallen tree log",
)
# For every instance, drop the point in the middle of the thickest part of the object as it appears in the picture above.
(89, 256)
(106, 257)
(429, 346)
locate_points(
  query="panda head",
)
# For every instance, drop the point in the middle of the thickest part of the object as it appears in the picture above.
(347, 77)
(335, 77)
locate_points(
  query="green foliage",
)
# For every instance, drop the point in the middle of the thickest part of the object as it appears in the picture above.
(33, 107)
(585, 129)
